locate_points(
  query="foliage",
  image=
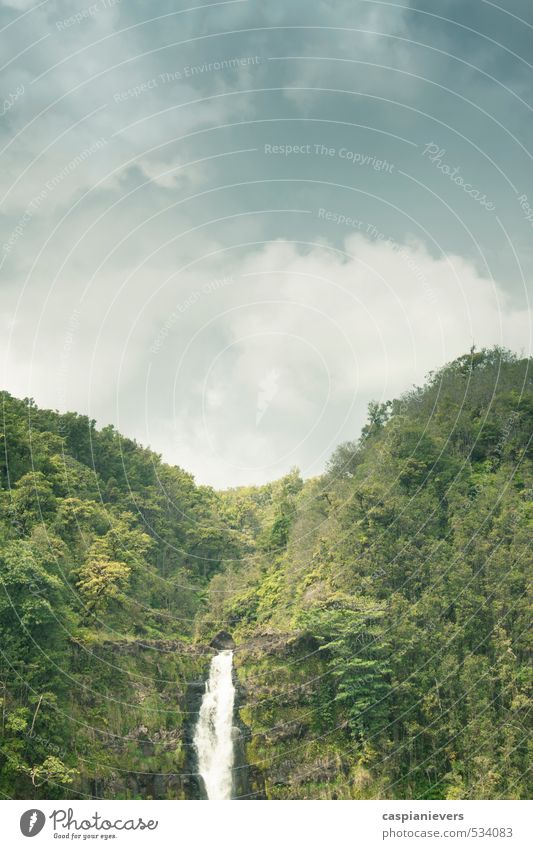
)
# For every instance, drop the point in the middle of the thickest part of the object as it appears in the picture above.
(381, 610)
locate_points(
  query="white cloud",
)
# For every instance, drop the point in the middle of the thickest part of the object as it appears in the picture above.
(334, 330)
(21, 5)
(237, 381)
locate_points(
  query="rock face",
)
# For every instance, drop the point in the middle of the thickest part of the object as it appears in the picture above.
(147, 746)
(138, 647)
(282, 691)
(181, 669)
(193, 783)
(247, 781)
(222, 640)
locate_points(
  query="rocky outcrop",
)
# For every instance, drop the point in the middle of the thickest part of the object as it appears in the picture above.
(222, 640)
(137, 647)
(247, 781)
(193, 783)
(281, 684)
(181, 686)
(274, 643)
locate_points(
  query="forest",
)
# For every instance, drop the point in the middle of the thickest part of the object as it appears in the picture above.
(380, 611)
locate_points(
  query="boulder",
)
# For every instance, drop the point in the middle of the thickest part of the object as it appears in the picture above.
(222, 640)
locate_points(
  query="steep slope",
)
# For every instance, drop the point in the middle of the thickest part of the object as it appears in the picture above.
(384, 632)
(105, 554)
(380, 611)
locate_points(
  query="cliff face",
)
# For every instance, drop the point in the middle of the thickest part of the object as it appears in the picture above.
(150, 753)
(143, 746)
(289, 751)
(248, 781)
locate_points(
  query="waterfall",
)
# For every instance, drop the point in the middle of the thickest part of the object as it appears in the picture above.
(213, 738)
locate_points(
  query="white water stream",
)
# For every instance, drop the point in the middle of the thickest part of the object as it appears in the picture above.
(213, 737)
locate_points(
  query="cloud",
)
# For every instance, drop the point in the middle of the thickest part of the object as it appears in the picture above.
(275, 365)
(337, 331)
(160, 284)
(20, 5)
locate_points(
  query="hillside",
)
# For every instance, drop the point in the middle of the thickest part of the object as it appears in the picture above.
(380, 611)
(105, 555)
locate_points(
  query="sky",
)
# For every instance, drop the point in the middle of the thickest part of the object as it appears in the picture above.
(226, 227)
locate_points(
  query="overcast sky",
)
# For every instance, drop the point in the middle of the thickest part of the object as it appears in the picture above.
(226, 227)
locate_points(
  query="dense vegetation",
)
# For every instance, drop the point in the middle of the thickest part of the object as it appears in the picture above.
(380, 611)
(105, 554)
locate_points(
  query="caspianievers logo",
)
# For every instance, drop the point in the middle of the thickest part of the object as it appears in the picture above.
(32, 822)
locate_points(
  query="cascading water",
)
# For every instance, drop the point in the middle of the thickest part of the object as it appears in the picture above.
(213, 737)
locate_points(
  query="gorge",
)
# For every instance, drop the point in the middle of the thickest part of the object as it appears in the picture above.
(378, 612)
